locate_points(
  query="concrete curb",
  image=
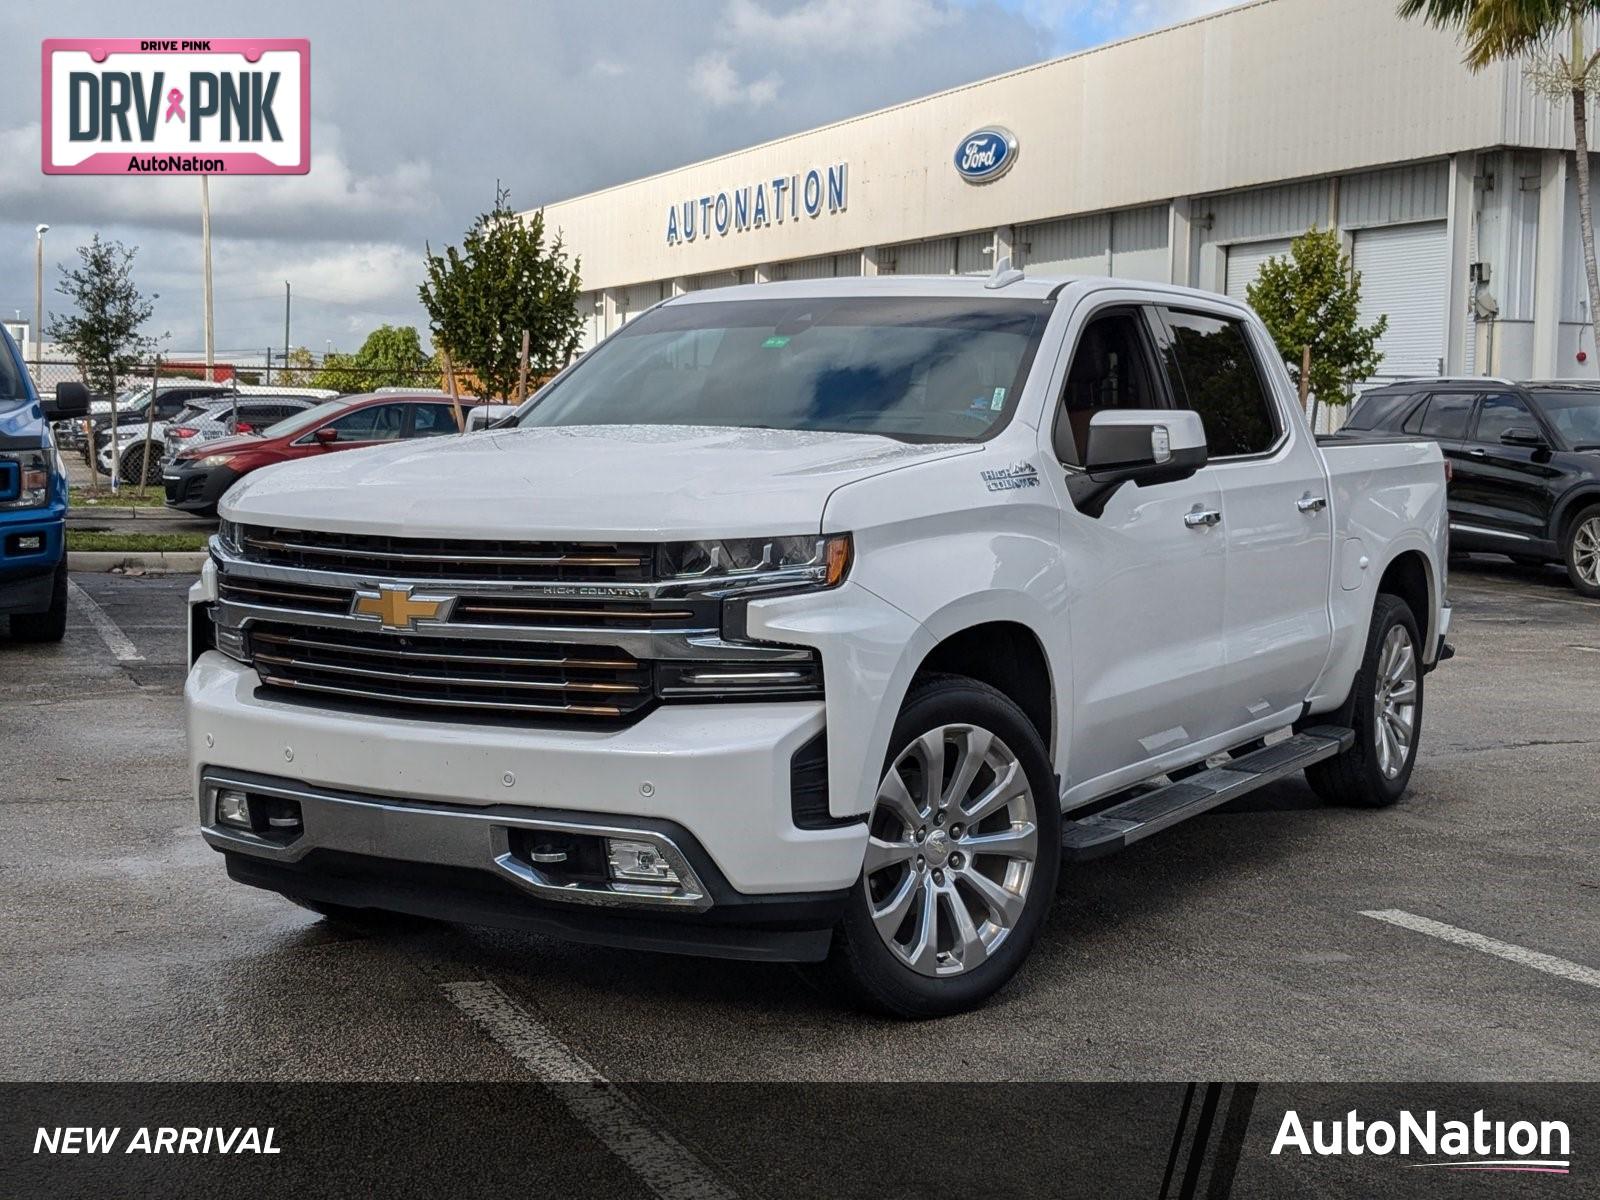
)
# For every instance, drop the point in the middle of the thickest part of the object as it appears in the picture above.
(93, 512)
(152, 562)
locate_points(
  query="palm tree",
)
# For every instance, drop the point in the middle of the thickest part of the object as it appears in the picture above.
(1503, 29)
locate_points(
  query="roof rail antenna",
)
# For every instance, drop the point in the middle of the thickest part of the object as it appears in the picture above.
(1004, 274)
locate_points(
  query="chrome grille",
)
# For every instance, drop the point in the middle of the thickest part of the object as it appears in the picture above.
(471, 676)
(441, 558)
(270, 593)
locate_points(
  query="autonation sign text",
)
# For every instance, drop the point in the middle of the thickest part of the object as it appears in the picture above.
(157, 106)
(757, 205)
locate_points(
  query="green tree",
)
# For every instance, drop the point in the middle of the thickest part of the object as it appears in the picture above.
(297, 370)
(504, 279)
(103, 334)
(1534, 30)
(392, 356)
(1312, 298)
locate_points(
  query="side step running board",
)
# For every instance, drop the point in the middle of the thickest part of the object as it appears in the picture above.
(1151, 812)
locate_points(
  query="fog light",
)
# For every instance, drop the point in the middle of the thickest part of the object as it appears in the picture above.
(30, 543)
(638, 862)
(233, 808)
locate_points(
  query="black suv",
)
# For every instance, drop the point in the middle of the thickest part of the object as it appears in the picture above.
(1526, 462)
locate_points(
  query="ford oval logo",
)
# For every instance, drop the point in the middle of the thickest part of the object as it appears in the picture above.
(986, 154)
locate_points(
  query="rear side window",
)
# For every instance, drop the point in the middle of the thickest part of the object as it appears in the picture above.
(1210, 363)
(1379, 410)
(1444, 417)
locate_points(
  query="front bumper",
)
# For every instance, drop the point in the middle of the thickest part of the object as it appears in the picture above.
(195, 488)
(27, 576)
(409, 798)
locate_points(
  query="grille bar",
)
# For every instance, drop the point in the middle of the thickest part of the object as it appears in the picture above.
(586, 710)
(414, 654)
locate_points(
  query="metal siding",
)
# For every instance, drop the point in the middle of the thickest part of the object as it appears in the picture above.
(1077, 246)
(715, 279)
(847, 264)
(1417, 192)
(1404, 275)
(975, 253)
(934, 257)
(1272, 212)
(1139, 244)
(805, 268)
(639, 297)
(1245, 261)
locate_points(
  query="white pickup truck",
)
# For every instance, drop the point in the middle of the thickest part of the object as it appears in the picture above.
(816, 621)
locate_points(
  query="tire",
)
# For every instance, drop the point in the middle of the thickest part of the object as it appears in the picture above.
(1365, 776)
(901, 971)
(50, 625)
(137, 460)
(1581, 551)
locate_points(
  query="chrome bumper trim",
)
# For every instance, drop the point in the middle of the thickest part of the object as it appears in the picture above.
(426, 833)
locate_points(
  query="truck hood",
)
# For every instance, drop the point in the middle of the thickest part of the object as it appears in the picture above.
(593, 482)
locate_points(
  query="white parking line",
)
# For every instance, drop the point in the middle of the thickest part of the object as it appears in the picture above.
(666, 1167)
(1548, 963)
(116, 641)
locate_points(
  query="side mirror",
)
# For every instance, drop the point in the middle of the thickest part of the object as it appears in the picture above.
(1523, 435)
(71, 400)
(1141, 447)
(326, 436)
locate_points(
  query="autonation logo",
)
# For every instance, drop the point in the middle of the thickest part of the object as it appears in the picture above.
(1476, 1145)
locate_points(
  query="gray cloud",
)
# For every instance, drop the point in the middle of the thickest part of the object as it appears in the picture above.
(419, 110)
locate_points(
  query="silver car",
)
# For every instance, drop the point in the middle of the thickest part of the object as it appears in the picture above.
(213, 418)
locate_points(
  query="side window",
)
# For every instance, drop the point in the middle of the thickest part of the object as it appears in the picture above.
(1211, 357)
(1444, 417)
(376, 423)
(1110, 369)
(431, 420)
(1377, 410)
(1499, 413)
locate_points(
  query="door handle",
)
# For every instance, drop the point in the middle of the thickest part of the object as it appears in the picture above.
(1311, 504)
(1202, 518)
(1476, 453)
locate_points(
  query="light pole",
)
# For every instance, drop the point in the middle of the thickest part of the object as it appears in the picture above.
(38, 290)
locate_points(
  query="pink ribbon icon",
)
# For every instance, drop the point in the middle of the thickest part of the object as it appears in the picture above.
(175, 105)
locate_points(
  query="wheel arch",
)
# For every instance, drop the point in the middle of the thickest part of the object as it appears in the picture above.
(1009, 656)
(1567, 509)
(1409, 578)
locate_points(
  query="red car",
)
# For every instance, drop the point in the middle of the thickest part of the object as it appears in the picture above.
(197, 478)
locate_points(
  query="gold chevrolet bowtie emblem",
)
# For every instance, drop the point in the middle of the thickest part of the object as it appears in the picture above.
(397, 608)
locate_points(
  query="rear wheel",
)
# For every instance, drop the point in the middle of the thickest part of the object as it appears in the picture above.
(1582, 551)
(1385, 710)
(963, 850)
(50, 625)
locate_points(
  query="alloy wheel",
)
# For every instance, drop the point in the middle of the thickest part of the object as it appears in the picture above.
(951, 848)
(1394, 709)
(1586, 551)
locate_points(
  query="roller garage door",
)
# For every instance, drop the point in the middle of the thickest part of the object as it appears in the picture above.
(1405, 275)
(1245, 261)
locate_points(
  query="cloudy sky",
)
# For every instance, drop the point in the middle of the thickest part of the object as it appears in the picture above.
(417, 108)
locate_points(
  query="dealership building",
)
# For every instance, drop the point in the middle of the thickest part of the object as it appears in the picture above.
(1190, 156)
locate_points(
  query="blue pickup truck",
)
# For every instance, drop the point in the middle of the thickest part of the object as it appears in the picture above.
(33, 501)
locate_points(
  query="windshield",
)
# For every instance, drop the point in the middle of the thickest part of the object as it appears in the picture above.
(310, 416)
(917, 369)
(1576, 416)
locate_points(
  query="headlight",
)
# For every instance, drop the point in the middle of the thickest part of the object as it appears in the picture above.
(216, 460)
(228, 535)
(24, 479)
(800, 559)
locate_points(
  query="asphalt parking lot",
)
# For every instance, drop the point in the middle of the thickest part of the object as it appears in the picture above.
(1235, 947)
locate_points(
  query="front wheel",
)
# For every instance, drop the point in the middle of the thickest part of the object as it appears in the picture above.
(1583, 552)
(1385, 710)
(50, 625)
(140, 466)
(963, 851)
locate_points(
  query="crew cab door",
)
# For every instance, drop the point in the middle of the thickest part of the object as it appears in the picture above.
(1145, 576)
(1276, 522)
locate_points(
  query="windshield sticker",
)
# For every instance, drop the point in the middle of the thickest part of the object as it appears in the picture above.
(998, 400)
(776, 342)
(1006, 479)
